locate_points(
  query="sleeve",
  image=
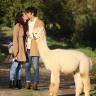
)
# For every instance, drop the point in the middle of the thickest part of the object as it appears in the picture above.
(15, 39)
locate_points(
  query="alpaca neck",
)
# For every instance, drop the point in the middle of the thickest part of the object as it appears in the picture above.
(43, 48)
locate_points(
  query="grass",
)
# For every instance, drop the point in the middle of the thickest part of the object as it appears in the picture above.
(6, 31)
(25, 92)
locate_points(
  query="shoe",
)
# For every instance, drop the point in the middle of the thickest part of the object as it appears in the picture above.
(12, 84)
(35, 86)
(28, 85)
(18, 84)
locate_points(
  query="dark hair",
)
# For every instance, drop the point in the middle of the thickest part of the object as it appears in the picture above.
(32, 10)
(19, 19)
(25, 27)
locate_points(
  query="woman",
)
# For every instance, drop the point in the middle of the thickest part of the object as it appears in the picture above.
(18, 49)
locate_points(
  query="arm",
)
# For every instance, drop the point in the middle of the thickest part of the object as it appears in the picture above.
(15, 39)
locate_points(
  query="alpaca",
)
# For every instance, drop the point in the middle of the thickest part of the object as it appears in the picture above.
(66, 61)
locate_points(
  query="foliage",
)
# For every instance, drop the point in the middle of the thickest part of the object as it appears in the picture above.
(73, 19)
(10, 8)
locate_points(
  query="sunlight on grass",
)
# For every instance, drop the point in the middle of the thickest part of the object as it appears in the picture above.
(25, 92)
(7, 31)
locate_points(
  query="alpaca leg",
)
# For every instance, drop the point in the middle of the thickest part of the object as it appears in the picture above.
(55, 79)
(78, 83)
(86, 82)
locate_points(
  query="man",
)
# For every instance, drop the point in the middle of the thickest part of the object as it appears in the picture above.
(32, 49)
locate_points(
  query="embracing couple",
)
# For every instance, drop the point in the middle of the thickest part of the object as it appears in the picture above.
(25, 49)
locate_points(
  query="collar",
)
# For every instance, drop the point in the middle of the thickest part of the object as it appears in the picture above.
(33, 20)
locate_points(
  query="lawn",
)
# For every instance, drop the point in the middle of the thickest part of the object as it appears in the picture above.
(6, 32)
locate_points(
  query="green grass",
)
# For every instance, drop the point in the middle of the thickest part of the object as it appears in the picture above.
(6, 31)
(39, 92)
(25, 92)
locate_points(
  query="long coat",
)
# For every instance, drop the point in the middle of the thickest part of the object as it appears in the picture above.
(34, 47)
(18, 42)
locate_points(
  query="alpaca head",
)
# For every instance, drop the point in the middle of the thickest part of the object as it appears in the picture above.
(39, 34)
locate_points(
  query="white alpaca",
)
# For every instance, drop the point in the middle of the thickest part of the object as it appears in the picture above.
(66, 61)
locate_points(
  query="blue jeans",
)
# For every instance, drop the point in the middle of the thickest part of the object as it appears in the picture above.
(16, 66)
(34, 60)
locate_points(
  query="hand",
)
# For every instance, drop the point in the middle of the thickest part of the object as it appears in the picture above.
(15, 54)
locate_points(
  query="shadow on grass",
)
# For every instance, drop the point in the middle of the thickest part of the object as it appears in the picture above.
(4, 49)
(93, 81)
(67, 46)
(93, 92)
(93, 70)
(67, 95)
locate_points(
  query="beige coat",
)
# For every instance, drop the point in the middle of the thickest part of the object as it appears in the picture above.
(34, 48)
(18, 43)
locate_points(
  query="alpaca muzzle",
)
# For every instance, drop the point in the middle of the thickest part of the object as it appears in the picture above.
(34, 37)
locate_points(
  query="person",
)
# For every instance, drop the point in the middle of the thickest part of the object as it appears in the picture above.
(32, 49)
(18, 50)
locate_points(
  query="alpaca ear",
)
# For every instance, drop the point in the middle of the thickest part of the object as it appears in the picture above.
(42, 30)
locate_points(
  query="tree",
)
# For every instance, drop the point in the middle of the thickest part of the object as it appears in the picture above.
(10, 8)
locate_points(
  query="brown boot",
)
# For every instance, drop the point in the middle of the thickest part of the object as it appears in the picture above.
(35, 86)
(28, 85)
